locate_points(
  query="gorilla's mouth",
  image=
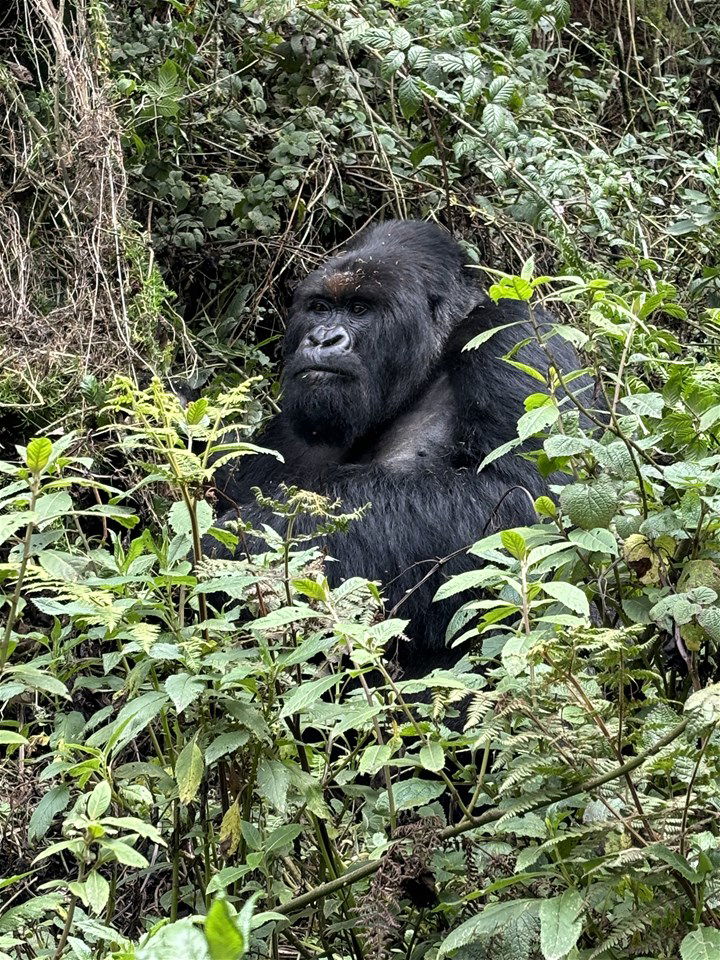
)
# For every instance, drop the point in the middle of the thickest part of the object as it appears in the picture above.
(319, 374)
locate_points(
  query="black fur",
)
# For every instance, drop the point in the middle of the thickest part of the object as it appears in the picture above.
(404, 419)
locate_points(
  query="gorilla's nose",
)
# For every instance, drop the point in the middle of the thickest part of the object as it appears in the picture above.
(327, 341)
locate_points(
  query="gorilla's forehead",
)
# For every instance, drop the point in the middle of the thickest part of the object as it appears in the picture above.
(351, 275)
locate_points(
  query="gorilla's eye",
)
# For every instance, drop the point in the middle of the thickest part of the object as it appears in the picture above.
(319, 306)
(358, 308)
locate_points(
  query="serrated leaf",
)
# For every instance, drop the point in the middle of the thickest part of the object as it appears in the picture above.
(189, 771)
(645, 405)
(701, 944)
(483, 337)
(514, 543)
(472, 89)
(38, 453)
(412, 793)
(374, 758)
(536, 420)
(54, 802)
(391, 63)
(410, 97)
(545, 507)
(590, 505)
(492, 918)
(224, 744)
(176, 941)
(596, 541)
(306, 695)
(432, 757)
(705, 703)
(179, 517)
(560, 927)
(497, 119)
(569, 595)
(196, 411)
(501, 90)
(273, 781)
(183, 690)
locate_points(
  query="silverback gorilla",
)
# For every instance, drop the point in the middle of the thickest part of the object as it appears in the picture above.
(383, 406)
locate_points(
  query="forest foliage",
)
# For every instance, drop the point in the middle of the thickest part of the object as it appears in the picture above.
(182, 777)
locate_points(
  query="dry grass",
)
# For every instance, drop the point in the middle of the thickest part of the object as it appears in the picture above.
(74, 270)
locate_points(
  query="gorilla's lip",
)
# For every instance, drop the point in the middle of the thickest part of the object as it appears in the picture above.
(320, 371)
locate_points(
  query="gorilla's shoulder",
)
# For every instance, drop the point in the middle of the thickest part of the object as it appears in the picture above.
(490, 391)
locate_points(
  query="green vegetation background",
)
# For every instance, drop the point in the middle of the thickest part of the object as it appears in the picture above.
(168, 171)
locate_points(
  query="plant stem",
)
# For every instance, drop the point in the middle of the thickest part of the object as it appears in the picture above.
(12, 613)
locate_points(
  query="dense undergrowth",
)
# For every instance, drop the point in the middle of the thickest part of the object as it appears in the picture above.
(185, 779)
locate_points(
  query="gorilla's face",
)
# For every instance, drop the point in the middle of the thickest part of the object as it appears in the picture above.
(366, 331)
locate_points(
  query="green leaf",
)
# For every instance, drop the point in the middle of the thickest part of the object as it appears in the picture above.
(472, 89)
(410, 97)
(282, 837)
(705, 703)
(701, 944)
(306, 695)
(561, 445)
(52, 803)
(674, 860)
(411, 793)
(545, 507)
(432, 756)
(536, 420)
(494, 917)
(10, 737)
(391, 63)
(52, 505)
(175, 941)
(590, 505)
(283, 617)
(38, 453)
(99, 800)
(273, 781)
(189, 771)
(183, 690)
(559, 924)
(497, 119)
(645, 405)
(483, 337)
(374, 758)
(196, 411)
(224, 939)
(225, 743)
(179, 518)
(124, 853)
(11, 523)
(514, 543)
(133, 718)
(681, 227)
(710, 418)
(596, 541)
(569, 595)
(97, 891)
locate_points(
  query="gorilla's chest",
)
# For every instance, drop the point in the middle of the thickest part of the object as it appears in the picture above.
(423, 432)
